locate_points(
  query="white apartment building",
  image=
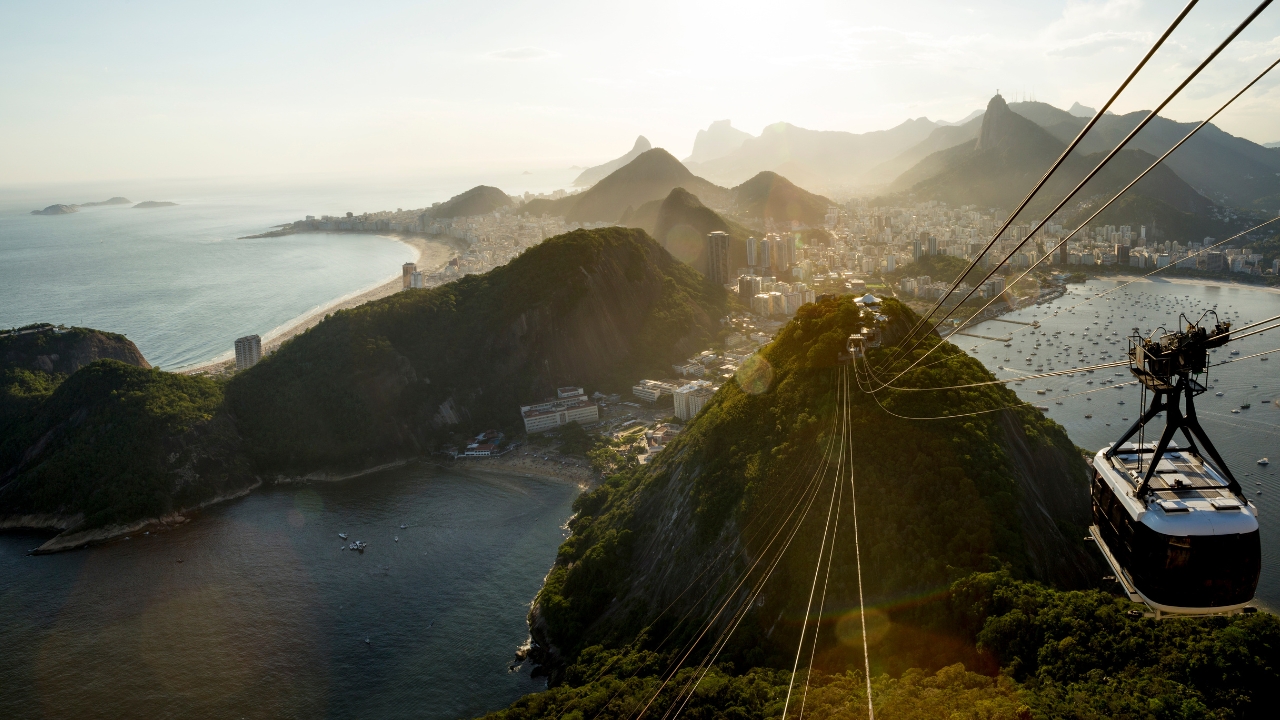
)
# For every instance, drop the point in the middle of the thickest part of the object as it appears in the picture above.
(248, 351)
(570, 405)
(690, 398)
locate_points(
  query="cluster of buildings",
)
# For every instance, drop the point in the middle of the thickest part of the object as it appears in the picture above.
(570, 404)
(767, 297)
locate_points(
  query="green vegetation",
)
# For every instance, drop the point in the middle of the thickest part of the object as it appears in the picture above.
(1077, 655)
(419, 370)
(115, 443)
(946, 496)
(941, 268)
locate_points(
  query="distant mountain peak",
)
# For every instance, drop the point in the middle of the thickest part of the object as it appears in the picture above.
(996, 121)
(719, 139)
(593, 175)
(1082, 111)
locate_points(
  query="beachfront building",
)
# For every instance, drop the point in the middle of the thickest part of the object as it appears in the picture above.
(570, 404)
(690, 398)
(248, 351)
(407, 272)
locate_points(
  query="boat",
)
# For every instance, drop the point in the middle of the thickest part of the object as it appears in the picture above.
(1172, 521)
(1235, 411)
(1264, 462)
(1246, 406)
(342, 535)
(1088, 417)
(397, 538)
(1219, 393)
(1235, 352)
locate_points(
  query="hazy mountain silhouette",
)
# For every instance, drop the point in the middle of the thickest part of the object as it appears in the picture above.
(769, 196)
(817, 159)
(718, 140)
(650, 176)
(593, 175)
(479, 200)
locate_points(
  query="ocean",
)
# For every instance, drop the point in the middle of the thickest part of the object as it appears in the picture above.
(255, 610)
(179, 281)
(1242, 438)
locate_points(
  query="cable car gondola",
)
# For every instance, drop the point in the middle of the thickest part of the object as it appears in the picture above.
(1176, 528)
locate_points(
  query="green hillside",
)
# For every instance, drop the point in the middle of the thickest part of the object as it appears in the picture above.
(479, 200)
(966, 527)
(114, 443)
(683, 223)
(414, 372)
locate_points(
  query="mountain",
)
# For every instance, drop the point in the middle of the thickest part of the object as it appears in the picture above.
(115, 447)
(55, 210)
(1082, 111)
(962, 121)
(1012, 153)
(1271, 145)
(718, 140)
(826, 161)
(650, 176)
(685, 584)
(1016, 493)
(36, 358)
(412, 373)
(479, 200)
(941, 138)
(770, 197)
(593, 175)
(682, 223)
(1221, 166)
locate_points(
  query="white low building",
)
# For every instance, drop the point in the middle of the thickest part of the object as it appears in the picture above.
(651, 390)
(571, 404)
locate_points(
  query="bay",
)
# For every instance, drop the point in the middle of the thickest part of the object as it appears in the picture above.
(1242, 438)
(256, 610)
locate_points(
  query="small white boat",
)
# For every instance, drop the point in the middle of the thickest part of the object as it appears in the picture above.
(1264, 462)
(397, 538)
(1219, 393)
(342, 535)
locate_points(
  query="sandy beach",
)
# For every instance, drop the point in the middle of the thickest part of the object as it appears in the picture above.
(1203, 282)
(433, 253)
(567, 469)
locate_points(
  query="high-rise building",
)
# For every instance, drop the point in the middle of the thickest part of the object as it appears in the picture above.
(415, 280)
(933, 245)
(765, 254)
(718, 257)
(689, 399)
(748, 287)
(407, 271)
(753, 251)
(1122, 254)
(248, 351)
(787, 256)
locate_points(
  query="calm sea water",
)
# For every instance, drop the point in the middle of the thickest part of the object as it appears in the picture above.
(1242, 438)
(266, 616)
(177, 280)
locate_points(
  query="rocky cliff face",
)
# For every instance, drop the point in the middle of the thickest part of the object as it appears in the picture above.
(62, 351)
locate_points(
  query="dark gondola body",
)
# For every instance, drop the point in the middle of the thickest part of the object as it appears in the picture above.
(1187, 546)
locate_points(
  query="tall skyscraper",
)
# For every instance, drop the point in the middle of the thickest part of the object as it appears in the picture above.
(718, 257)
(753, 250)
(248, 351)
(933, 245)
(765, 254)
(407, 271)
(787, 257)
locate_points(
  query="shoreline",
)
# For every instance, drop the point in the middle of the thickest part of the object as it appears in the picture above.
(433, 252)
(1202, 282)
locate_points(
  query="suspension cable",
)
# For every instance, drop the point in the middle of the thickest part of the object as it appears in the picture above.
(1061, 159)
(1115, 151)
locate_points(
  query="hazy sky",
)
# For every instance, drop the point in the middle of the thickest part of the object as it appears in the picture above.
(104, 90)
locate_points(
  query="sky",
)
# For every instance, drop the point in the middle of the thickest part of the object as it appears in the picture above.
(380, 89)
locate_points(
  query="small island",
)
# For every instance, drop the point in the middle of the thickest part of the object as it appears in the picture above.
(153, 204)
(113, 201)
(55, 210)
